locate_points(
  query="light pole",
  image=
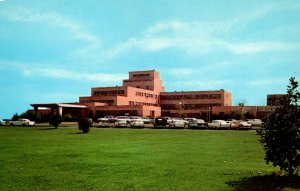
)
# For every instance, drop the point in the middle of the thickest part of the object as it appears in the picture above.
(180, 107)
(209, 108)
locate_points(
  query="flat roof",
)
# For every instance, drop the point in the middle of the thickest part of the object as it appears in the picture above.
(59, 105)
(195, 91)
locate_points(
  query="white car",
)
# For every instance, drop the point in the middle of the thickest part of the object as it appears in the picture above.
(192, 123)
(147, 120)
(4, 122)
(103, 122)
(245, 124)
(177, 123)
(255, 122)
(219, 124)
(137, 123)
(121, 123)
(22, 122)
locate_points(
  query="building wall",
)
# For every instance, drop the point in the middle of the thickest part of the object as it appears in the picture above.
(192, 103)
(109, 100)
(137, 96)
(108, 91)
(275, 99)
(143, 94)
(138, 110)
(255, 111)
(149, 80)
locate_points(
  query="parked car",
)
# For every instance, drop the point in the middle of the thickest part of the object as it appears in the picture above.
(244, 124)
(235, 125)
(121, 123)
(201, 124)
(111, 118)
(219, 124)
(192, 123)
(177, 123)
(137, 123)
(147, 120)
(160, 123)
(103, 122)
(124, 117)
(21, 122)
(4, 122)
(255, 122)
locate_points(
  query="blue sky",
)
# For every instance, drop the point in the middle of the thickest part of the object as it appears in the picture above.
(56, 50)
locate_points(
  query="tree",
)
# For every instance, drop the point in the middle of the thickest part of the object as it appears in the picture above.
(55, 120)
(280, 136)
(15, 117)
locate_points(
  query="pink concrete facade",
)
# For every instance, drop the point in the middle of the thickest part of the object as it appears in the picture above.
(139, 95)
(143, 94)
(193, 103)
(149, 80)
(254, 111)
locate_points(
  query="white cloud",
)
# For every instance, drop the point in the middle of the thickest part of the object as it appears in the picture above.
(74, 75)
(50, 72)
(201, 38)
(194, 38)
(266, 82)
(201, 84)
(258, 47)
(55, 19)
(181, 71)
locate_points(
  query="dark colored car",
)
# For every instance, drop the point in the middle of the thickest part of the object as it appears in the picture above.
(160, 123)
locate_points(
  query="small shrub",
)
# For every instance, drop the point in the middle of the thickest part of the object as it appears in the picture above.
(84, 125)
(55, 120)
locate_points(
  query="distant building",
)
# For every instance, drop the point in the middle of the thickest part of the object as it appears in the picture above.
(139, 95)
(275, 99)
(142, 94)
(193, 103)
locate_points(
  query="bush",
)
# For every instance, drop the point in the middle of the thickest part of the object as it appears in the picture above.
(55, 120)
(84, 125)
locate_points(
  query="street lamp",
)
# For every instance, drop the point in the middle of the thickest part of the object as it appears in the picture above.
(209, 108)
(180, 107)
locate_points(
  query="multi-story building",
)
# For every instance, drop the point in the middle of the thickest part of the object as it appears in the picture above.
(193, 103)
(143, 94)
(275, 99)
(139, 95)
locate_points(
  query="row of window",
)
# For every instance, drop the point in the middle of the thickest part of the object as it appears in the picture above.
(108, 93)
(188, 106)
(138, 80)
(143, 94)
(140, 75)
(109, 102)
(193, 96)
(141, 103)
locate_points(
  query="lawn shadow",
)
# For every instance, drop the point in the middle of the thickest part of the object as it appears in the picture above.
(48, 128)
(266, 183)
(76, 133)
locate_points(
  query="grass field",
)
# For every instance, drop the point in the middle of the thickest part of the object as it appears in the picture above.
(42, 158)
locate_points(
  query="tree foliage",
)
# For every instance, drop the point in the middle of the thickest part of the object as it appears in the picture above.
(280, 136)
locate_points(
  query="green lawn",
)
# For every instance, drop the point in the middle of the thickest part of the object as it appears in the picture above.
(41, 158)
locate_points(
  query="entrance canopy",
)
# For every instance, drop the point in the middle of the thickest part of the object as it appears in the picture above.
(58, 107)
